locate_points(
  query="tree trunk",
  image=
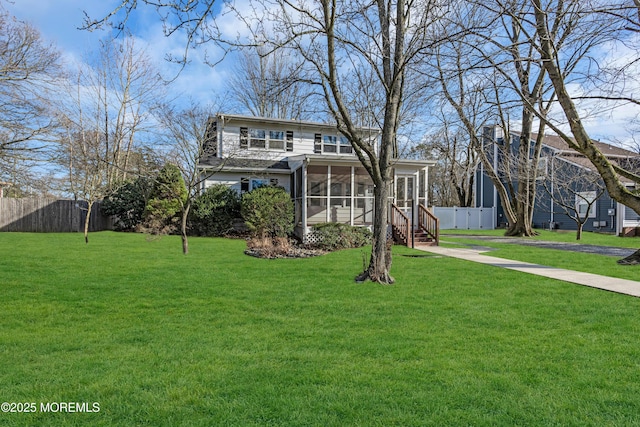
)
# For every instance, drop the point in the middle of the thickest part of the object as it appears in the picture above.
(524, 198)
(579, 231)
(633, 259)
(86, 221)
(380, 262)
(183, 228)
(582, 142)
(522, 226)
(185, 242)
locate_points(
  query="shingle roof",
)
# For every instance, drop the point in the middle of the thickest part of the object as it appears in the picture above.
(578, 159)
(247, 164)
(608, 150)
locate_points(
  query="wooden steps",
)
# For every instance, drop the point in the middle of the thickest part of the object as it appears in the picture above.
(423, 239)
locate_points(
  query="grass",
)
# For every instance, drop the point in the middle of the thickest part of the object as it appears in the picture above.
(219, 338)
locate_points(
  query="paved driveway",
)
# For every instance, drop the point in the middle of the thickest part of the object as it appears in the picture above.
(575, 247)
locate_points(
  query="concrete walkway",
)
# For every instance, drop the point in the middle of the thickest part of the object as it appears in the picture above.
(622, 286)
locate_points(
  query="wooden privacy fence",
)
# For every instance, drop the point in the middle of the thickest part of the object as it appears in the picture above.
(50, 216)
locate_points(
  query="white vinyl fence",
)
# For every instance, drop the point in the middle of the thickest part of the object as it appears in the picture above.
(465, 218)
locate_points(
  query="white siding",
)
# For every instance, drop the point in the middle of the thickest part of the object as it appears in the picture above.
(303, 139)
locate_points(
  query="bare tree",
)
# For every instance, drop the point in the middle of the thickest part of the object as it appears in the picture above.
(185, 135)
(101, 116)
(490, 74)
(358, 46)
(268, 84)
(28, 68)
(573, 189)
(600, 24)
(456, 164)
(125, 87)
(191, 143)
(83, 151)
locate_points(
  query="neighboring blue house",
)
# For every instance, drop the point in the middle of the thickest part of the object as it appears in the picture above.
(557, 161)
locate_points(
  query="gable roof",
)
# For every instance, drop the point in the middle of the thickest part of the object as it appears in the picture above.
(610, 151)
(225, 118)
(569, 155)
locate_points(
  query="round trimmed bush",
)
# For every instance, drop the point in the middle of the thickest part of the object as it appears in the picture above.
(268, 212)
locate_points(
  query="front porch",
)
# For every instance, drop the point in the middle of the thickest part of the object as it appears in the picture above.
(340, 190)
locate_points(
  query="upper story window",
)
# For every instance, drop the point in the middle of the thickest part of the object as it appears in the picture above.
(276, 140)
(332, 144)
(263, 139)
(345, 145)
(210, 145)
(257, 138)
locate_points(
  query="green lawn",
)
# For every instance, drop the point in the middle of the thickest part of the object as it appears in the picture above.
(219, 338)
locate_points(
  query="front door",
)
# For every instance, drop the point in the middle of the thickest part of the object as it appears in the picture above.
(405, 192)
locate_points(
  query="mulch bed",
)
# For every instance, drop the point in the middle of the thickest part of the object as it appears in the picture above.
(275, 253)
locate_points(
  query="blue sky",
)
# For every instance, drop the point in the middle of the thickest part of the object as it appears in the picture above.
(59, 20)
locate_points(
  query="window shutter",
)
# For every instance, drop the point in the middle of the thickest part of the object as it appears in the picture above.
(317, 143)
(210, 144)
(244, 138)
(244, 185)
(289, 140)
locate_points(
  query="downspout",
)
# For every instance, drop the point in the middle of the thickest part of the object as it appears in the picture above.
(220, 135)
(481, 184)
(220, 132)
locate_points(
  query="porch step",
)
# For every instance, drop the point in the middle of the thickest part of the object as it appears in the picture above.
(423, 239)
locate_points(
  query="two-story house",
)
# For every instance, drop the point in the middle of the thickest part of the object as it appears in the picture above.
(311, 161)
(558, 162)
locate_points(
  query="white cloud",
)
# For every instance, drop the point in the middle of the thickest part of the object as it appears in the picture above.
(59, 20)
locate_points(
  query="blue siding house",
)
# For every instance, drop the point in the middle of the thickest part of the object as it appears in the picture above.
(565, 173)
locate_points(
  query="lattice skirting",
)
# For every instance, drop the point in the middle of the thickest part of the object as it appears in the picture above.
(312, 237)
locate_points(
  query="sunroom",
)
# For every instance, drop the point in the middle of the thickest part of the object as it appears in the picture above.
(339, 189)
